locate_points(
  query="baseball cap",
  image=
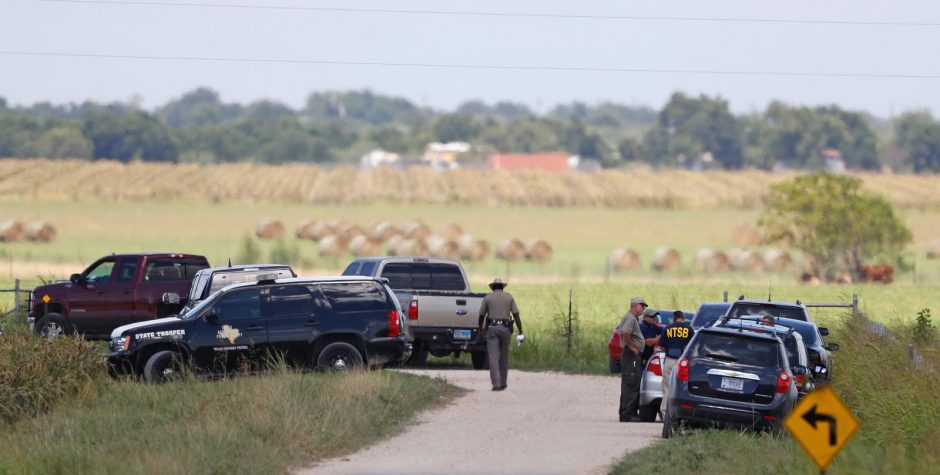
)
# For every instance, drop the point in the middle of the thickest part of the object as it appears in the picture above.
(650, 313)
(638, 300)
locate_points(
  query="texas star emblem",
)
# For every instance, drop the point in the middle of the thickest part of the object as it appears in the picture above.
(229, 333)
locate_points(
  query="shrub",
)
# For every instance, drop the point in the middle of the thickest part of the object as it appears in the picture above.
(284, 253)
(250, 251)
(35, 374)
(924, 330)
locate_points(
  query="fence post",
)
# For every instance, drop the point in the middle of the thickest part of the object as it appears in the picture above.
(726, 296)
(570, 298)
(855, 304)
(16, 300)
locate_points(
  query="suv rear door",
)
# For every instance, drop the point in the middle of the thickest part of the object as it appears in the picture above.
(734, 366)
(296, 315)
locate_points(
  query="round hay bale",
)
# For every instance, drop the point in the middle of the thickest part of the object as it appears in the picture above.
(411, 247)
(711, 260)
(933, 250)
(416, 230)
(320, 229)
(392, 243)
(40, 231)
(440, 246)
(538, 250)
(348, 231)
(666, 259)
(11, 231)
(510, 250)
(451, 231)
(777, 259)
(383, 231)
(747, 260)
(269, 229)
(472, 249)
(305, 229)
(361, 246)
(745, 236)
(624, 259)
(331, 246)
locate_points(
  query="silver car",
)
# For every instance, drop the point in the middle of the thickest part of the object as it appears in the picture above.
(651, 387)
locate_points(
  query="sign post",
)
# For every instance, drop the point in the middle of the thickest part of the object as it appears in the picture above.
(822, 424)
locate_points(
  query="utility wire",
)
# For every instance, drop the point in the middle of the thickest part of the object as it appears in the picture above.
(494, 67)
(500, 14)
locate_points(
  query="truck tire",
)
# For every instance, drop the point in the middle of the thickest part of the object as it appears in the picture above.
(479, 360)
(51, 326)
(163, 366)
(419, 355)
(339, 356)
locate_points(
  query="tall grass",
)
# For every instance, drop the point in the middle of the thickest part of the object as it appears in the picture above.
(264, 424)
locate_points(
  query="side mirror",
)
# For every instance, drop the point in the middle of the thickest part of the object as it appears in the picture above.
(77, 279)
(832, 346)
(212, 317)
(823, 331)
(171, 298)
(799, 369)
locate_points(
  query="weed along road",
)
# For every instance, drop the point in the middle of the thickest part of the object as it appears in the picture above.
(543, 423)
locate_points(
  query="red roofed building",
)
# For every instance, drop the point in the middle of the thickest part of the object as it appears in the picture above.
(549, 161)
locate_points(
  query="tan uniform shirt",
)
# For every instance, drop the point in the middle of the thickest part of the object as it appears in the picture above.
(630, 328)
(500, 305)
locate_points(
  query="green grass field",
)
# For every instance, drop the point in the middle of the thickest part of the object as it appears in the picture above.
(582, 238)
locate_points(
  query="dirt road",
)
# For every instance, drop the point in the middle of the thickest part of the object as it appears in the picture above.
(542, 424)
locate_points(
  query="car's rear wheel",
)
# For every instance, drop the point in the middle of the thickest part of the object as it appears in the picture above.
(51, 327)
(669, 427)
(339, 356)
(419, 355)
(649, 411)
(163, 366)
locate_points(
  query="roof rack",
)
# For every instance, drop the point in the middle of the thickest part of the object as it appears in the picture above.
(754, 323)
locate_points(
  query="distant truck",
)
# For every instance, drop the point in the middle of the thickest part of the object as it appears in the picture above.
(209, 281)
(115, 290)
(443, 314)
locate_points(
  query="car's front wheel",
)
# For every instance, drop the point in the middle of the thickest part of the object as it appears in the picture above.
(163, 366)
(339, 356)
(51, 326)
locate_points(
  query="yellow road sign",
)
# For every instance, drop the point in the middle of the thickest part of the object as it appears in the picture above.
(822, 424)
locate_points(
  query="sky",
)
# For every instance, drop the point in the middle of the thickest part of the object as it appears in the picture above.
(589, 51)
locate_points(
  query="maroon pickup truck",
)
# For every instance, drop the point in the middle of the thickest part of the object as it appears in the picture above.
(114, 291)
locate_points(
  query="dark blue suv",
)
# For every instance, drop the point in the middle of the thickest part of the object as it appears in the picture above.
(731, 377)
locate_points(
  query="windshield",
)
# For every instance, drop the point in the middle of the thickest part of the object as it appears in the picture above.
(806, 330)
(758, 308)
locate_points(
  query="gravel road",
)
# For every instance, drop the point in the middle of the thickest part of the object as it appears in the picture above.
(544, 423)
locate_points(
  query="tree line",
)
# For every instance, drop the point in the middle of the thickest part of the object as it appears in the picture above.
(339, 127)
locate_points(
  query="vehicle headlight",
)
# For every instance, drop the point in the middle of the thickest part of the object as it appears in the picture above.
(120, 343)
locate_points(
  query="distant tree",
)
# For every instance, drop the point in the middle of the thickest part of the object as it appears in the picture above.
(918, 136)
(578, 140)
(199, 107)
(630, 150)
(136, 135)
(364, 106)
(61, 142)
(688, 127)
(835, 223)
(523, 135)
(456, 127)
(390, 139)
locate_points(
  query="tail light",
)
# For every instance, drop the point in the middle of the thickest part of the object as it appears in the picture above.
(655, 366)
(394, 326)
(413, 310)
(783, 382)
(799, 378)
(682, 369)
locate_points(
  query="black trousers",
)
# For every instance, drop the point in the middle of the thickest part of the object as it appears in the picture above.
(630, 373)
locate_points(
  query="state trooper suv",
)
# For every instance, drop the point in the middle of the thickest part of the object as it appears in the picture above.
(331, 323)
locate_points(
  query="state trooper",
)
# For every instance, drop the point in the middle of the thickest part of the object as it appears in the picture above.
(497, 313)
(674, 339)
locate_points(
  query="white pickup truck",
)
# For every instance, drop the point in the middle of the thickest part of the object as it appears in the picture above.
(443, 314)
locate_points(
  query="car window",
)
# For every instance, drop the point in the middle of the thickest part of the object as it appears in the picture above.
(238, 305)
(398, 275)
(367, 268)
(420, 276)
(707, 315)
(199, 287)
(172, 270)
(101, 274)
(352, 268)
(737, 349)
(793, 353)
(126, 271)
(808, 332)
(446, 277)
(291, 300)
(355, 296)
(740, 309)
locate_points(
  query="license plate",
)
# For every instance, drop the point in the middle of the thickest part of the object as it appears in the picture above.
(732, 384)
(462, 334)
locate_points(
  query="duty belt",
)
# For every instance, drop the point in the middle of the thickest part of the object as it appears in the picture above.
(502, 323)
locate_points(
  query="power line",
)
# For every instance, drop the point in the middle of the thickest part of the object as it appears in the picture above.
(493, 67)
(501, 14)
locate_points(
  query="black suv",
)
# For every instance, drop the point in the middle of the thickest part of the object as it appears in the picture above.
(731, 376)
(326, 323)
